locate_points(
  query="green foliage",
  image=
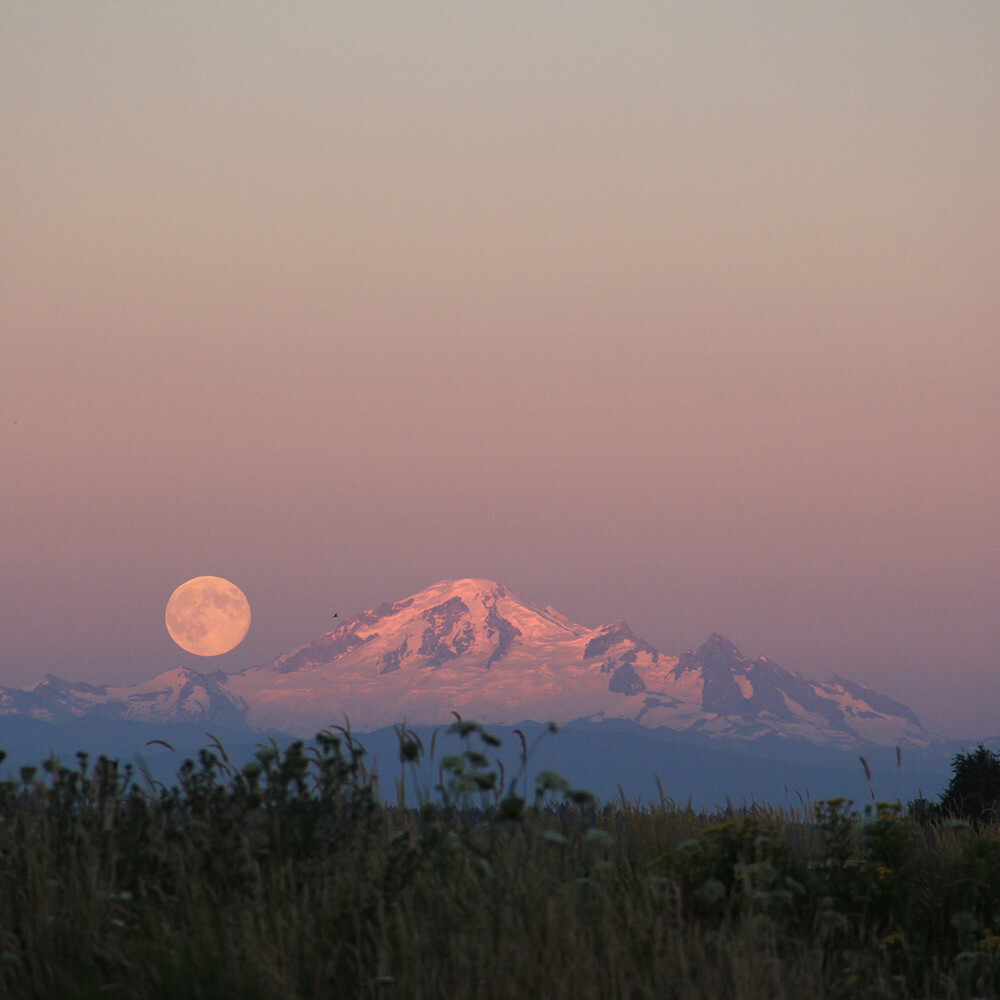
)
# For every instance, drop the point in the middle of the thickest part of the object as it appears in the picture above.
(289, 877)
(974, 790)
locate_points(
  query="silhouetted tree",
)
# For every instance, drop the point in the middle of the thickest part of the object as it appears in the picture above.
(974, 790)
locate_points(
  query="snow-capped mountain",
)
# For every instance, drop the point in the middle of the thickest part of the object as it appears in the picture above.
(475, 647)
(717, 690)
(174, 695)
(470, 646)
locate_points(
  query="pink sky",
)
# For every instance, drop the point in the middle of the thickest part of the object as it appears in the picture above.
(684, 313)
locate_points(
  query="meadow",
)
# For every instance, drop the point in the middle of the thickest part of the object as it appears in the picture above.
(290, 878)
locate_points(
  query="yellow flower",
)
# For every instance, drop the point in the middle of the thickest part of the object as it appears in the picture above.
(989, 942)
(894, 939)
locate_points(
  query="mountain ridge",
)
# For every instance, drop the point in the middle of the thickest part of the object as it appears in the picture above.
(474, 646)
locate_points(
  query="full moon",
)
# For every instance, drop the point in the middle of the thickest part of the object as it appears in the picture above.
(208, 616)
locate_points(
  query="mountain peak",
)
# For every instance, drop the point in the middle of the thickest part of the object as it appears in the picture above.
(469, 586)
(716, 657)
(474, 646)
(471, 645)
(717, 644)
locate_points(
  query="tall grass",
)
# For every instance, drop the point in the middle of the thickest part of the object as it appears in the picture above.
(290, 878)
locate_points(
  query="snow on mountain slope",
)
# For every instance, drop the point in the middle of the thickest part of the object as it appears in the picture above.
(475, 647)
(471, 646)
(748, 699)
(173, 695)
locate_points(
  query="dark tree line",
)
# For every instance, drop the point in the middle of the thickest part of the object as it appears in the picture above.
(973, 794)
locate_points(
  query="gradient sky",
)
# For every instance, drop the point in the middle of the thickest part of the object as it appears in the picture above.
(685, 313)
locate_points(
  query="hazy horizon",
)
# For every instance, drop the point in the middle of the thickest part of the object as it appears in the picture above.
(684, 314)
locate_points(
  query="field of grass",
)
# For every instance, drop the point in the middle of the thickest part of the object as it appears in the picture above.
(290, 878)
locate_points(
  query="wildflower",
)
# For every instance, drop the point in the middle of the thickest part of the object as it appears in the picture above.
(453, 762)
(464, 727)
(989, 942)
(551, 781)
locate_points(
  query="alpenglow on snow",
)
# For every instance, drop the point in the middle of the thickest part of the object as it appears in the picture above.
(475, 647)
